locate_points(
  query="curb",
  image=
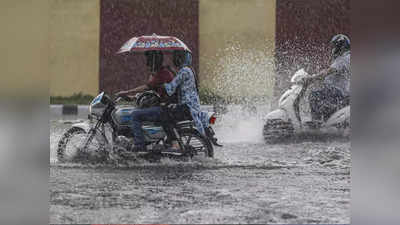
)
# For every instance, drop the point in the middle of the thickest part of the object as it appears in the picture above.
(82, 111)
(69, 111)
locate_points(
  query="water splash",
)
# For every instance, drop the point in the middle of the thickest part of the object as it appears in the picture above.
(242, 123)
(240, 74)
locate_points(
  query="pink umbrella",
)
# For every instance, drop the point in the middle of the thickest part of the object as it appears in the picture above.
(153, 42)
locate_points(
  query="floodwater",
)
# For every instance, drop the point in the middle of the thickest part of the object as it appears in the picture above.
(248, 181)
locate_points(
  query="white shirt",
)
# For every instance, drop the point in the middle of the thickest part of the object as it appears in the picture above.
(341, 78)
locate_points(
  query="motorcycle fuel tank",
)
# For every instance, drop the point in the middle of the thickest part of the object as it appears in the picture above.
(123, 115)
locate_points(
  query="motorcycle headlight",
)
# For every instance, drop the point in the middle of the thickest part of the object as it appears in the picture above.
(97, 106)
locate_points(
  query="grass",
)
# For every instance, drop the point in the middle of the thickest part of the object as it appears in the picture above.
(75, 99)
(207, 97)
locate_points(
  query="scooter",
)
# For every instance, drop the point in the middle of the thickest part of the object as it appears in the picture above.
(108, 134)
(284, 122)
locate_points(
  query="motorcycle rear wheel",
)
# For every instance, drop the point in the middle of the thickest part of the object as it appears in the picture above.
(197, 143)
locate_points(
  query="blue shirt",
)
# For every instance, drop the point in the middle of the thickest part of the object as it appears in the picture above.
(185, 84)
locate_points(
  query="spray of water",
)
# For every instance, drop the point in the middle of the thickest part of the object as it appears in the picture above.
(240, 74)
(250, 79)
(244, 78)
(240, 125)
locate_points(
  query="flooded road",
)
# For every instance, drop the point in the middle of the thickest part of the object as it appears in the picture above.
(247, 182)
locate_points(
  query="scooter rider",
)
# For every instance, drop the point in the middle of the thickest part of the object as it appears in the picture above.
(335, 91)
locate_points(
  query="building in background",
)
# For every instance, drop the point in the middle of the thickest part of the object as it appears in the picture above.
(120, 20)
(74, 47)
(241, 48)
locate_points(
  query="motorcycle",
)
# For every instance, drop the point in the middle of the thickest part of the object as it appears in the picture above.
(282, 123)
(108, 134)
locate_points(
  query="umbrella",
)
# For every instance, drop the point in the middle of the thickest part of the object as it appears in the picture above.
(153, 42)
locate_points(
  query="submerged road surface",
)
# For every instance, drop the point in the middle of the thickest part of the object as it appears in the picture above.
(247, 182)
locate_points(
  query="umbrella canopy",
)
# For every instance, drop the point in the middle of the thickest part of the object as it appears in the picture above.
(153, 42)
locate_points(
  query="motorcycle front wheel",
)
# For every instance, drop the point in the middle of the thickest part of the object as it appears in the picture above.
(77, 145)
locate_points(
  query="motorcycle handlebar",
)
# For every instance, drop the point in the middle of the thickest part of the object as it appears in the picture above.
(124, 97)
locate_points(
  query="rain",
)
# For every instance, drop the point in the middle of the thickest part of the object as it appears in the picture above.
(302, 180)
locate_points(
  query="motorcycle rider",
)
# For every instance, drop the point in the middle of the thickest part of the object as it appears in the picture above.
(188, 107)
(335, 90)
(159, 74)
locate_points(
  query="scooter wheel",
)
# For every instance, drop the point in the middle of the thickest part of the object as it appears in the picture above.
(276, 131)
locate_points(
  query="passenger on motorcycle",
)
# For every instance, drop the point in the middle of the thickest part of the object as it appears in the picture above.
(335, 91)
(186, 87)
